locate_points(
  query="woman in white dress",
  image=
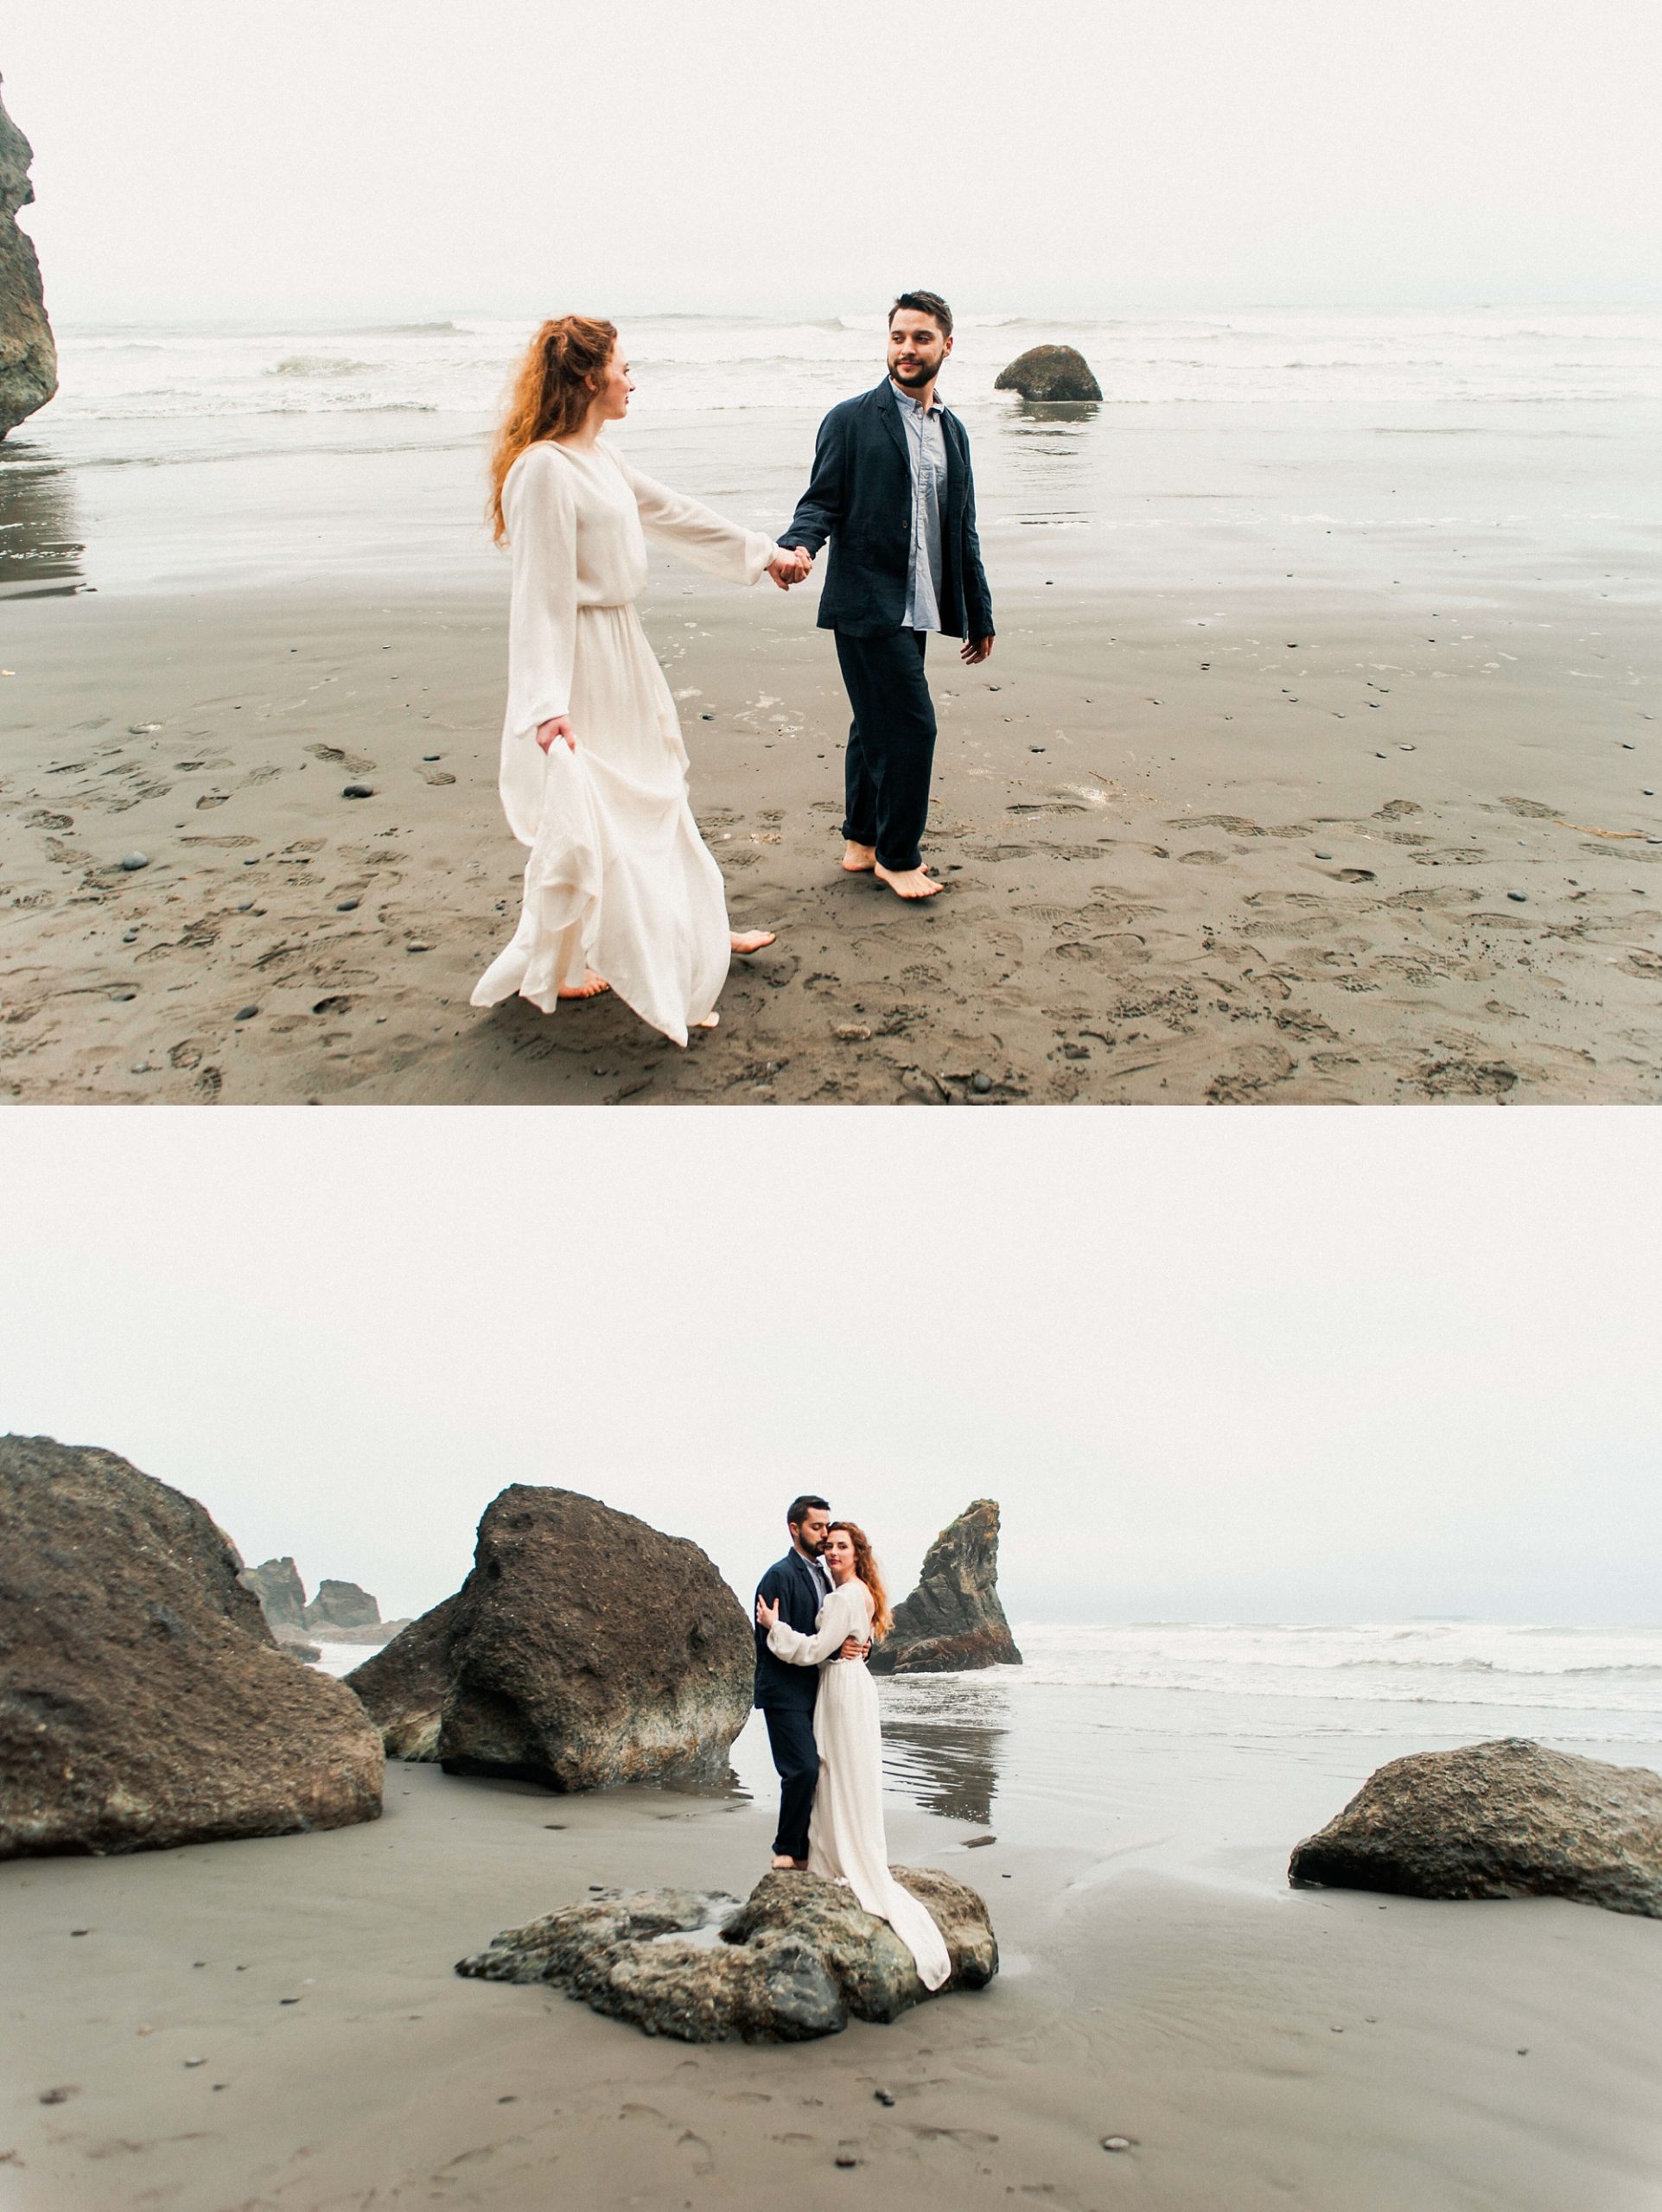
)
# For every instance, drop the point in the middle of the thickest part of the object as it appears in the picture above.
(620, 891)
(845, 1835)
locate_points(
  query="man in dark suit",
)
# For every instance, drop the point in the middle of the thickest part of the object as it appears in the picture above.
(892, 490)
(798, 1585)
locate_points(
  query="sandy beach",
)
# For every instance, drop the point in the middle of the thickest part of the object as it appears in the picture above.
(276, 2025)
(1202, 847)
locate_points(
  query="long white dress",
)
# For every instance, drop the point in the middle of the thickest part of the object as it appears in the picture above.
(619, 878)
(845, 1835)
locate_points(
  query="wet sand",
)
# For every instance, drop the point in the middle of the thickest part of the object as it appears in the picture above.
(1258, 2048)
(1260, 846)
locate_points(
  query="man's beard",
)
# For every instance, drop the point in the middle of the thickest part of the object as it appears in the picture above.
(913, 376)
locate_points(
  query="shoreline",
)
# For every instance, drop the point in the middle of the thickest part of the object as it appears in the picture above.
(1314, 2048)
(1204, 846)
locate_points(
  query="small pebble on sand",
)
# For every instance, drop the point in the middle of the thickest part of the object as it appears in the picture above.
(1518, 897)
(1116, 2142)
(345, 905)
(131, 862)
(358, 791)
(246, 1012)
(884, 2096)
(981, 1084)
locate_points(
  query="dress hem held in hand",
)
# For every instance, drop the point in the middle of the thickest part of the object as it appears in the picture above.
(618, 879)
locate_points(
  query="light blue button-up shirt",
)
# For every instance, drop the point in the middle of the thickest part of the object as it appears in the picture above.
(925, 447)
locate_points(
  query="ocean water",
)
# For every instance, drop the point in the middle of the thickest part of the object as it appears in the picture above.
(1206, 1750)
(1462, 449)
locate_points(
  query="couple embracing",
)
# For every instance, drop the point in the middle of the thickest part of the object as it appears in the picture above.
(620, 891)
(819, 1610)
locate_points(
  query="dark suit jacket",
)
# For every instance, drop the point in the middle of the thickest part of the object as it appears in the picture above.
(799, 1592)
(860, 498)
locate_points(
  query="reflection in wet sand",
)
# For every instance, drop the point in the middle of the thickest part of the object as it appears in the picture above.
(942, 1740)
(40, 546)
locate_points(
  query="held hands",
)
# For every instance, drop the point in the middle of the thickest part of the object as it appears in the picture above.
(974, 650)
(556, 732)
(792, 564)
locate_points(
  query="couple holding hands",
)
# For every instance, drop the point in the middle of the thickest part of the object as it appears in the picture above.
(620, 891)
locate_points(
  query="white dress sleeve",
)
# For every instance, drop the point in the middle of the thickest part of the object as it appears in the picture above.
(843, 1614)
(540, 510)
(698, 534)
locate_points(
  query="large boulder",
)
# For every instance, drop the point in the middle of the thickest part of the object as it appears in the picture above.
(796, 1961)
(952, 1620)
(405, 1685)
(281, 1593)
(585, 1649)
(1048, 372)
(342, 1604)
(1508, 1819)
(28, 359)
(143, 1701)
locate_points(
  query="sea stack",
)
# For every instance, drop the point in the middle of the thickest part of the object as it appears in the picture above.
(1050, 372)
(585, 1649)
(28, 359)
(281, 1594)
(144, 1700)
(1508, 1819)
(952, 1620)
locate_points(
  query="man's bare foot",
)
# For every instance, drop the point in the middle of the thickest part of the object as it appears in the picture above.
(590, 987)
(907, 882)
(752, 940)
(781, 1865)
(858, 860)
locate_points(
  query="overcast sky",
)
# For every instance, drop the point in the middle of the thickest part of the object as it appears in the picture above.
(1296, 1365)
(350, 156)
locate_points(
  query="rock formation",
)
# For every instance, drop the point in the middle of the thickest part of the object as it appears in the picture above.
(794, 1962)
(281, 1593)
(584, 1649)
(1049, 373)
(954, 1619)
(28, 359)
(405, 1685)
(143, 1701)
(342, 1604)
(1502, 1820)
(295, 1642)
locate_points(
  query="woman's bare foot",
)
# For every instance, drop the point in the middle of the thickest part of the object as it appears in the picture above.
(858, 860)
(752, 940)
(907, 882)
(590, 987)
(709, 1021)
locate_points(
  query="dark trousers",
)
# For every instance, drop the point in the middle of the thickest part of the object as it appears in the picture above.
(796, 1762)
(891, 744)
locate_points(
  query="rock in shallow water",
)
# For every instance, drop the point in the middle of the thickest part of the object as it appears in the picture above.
(796, 1961)
(954, 1619)
(1507, 1819)
(28, 359)
(143, 1701)
(1050, 372)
